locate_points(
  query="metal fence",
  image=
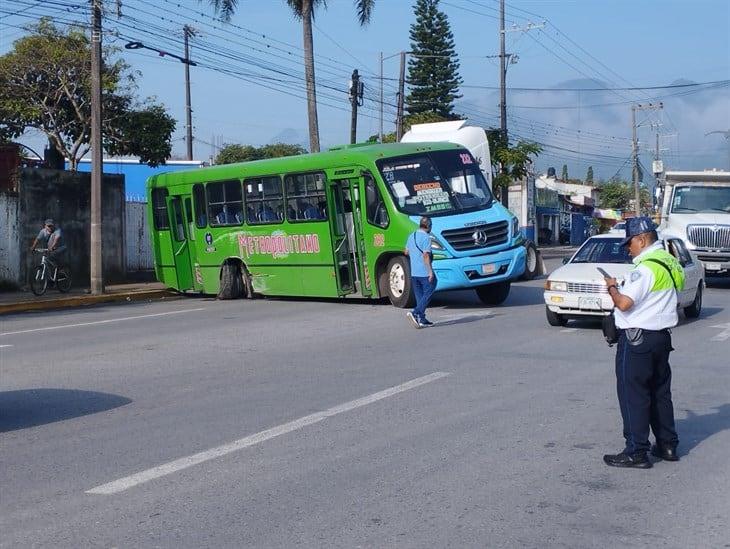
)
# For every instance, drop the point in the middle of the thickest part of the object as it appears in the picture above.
(139, 249)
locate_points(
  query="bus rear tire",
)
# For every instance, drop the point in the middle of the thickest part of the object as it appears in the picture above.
(396, 283)
(493, 294)
(231, 285)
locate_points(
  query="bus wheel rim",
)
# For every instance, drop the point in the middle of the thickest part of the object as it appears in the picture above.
(397, 280)
(531, 259)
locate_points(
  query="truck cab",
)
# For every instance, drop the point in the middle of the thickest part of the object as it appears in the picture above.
(695, 207)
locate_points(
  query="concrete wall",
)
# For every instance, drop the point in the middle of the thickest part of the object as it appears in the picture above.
(9, 243)
(66, 197)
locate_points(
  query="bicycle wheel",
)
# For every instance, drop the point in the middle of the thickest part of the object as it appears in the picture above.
(63, 280)
(39, 282)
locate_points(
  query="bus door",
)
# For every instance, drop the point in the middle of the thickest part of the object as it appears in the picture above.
(193, 248)
(347, 236)
(180, 243)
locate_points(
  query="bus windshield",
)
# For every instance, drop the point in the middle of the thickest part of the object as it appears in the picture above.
(694, 198)
(436, 183)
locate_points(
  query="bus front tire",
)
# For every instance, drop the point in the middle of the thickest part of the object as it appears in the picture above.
(532, 261)
(231, 285)
(493, 294)
(396, 283)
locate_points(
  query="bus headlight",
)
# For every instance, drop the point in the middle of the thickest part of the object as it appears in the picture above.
(436, 245)
(515, 227)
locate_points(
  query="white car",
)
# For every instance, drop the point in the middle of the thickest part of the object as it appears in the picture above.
(577, 289)
(618, 228)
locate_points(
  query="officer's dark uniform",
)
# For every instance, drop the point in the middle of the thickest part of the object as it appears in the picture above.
(643, 375)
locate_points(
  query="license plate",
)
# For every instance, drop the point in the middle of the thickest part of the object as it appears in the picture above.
(592, 303)
(488, 268)
(712, 266)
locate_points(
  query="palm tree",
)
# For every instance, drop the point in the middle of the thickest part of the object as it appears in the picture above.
(304, 10)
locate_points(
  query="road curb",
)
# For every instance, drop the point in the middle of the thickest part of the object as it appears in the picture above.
(83, 300)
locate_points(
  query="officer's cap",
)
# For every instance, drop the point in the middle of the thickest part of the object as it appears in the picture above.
(50, 222)
(636, 226)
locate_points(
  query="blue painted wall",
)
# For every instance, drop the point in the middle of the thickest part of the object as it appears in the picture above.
(135, 174)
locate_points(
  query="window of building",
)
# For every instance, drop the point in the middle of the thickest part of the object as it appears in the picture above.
(264, 200)
(374, 205)
(225, 203)
(306, 200)
(159, 209)
(201, 217)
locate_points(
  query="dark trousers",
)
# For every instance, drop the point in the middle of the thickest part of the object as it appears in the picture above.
(424, 291)
(643, 383)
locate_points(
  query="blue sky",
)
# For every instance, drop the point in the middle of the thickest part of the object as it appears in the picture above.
(619, 43)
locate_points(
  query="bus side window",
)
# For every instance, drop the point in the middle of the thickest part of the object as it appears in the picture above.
(374, 205)
(225, 203)
(201, 218)
(159, 209)
(264, 200)
(305, 197)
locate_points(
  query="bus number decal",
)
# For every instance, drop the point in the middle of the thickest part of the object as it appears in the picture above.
(278, 245)
(465, 158)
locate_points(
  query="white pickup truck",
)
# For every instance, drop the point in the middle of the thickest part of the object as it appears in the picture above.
(696, 209)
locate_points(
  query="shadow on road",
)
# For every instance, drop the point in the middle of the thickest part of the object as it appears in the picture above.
(33, 407)
(696, 428)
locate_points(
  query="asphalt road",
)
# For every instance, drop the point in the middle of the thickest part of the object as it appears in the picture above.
(282, 423)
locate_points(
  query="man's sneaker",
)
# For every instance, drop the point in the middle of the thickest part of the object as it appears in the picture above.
(634, 461)
(413, 319)
(425, 322)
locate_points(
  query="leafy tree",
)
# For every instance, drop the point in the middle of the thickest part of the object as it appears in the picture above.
(511, 162)
(618, 195)
(589, 176)
(304, 11)
(433, 67)
(564, 176)
(244, 153)
(45, 84)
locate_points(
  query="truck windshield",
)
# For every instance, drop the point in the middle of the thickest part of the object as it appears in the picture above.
(693, 198)
(436, 183)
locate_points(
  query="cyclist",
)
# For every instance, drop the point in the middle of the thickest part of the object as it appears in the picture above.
(51, 237)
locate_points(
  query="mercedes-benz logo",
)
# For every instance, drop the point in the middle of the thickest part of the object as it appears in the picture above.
(480, 238)
(714, 228)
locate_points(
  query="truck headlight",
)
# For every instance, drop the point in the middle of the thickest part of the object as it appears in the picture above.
(556, 286)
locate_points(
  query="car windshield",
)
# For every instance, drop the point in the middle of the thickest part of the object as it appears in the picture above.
(436, 183)
(602, 250)
(695, 198)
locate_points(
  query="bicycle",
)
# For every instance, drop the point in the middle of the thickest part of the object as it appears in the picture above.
(47, 272)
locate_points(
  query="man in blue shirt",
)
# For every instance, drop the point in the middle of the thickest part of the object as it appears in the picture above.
(418, 250)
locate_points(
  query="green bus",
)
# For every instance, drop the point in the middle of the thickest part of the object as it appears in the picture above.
(333, 224)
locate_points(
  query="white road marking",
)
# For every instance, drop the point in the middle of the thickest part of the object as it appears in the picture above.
(569, 330)
(46, 328)
(1, 346)
(125, 483)
(725, 334)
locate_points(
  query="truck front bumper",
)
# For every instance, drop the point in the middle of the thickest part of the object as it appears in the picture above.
(479, 270)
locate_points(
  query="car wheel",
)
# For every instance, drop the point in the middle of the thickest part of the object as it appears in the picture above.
(693, 311)
(555, 319)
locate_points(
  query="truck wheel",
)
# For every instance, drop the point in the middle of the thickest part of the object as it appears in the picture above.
(397, 283)
(493, 294)
(532, 261)
(693, 311)
(555, 319)
(231, 285)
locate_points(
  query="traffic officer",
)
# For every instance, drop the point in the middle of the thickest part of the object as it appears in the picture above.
(645, 310)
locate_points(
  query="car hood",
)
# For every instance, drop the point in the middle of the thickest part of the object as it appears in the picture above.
(588, 272)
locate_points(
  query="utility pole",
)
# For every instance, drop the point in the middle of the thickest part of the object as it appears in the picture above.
(401, 91)
(635, 150)
(187, 33)
(95, 253)
(356, 93)
(502, 75)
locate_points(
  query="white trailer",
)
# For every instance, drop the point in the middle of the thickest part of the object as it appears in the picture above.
(695, 207)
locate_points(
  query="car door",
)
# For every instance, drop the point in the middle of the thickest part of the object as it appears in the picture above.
(692, 273)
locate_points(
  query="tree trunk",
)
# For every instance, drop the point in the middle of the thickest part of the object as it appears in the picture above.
(309, 76)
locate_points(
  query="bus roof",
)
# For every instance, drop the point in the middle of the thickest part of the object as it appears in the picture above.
(344, 155)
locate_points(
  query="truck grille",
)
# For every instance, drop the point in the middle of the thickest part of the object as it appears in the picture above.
(478, 236)
(714, 237)
(581, 288)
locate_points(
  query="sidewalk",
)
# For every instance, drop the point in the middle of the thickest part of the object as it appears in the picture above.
(16, 302)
